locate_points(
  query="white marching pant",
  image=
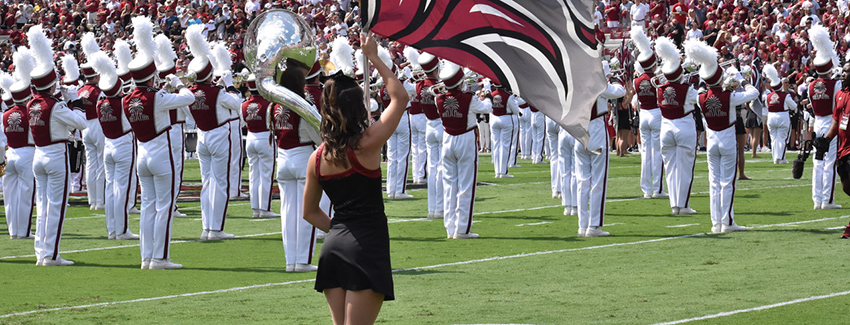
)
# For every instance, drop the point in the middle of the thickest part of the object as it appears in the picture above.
(779, 125)
(678, 149)
(525, 132)
(418, 152)
(592, 175)
(261, 161)
(538, 126)
(502, 130)
(155, 165)
(434, 142)
(235, 171)
(460, 168)
(512, 154)
(52, 174)
(555, 173)
(299, 236)
(722, 147)
(651, 165)
(119, 164)
(566, 159)
(214, 154)
(823, 173)
(94, 141)
(484, 138)
(19, 190)
(177, 148)
(398, 156)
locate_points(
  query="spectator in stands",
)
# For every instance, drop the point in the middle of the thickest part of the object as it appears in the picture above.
(639, 13)
(612, 14)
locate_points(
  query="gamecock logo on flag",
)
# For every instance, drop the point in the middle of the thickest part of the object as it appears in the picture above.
(543, 50)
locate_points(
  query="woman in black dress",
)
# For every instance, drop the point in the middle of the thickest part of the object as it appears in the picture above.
(354, 265)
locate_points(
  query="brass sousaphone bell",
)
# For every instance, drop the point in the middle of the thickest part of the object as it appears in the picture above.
(272, 38)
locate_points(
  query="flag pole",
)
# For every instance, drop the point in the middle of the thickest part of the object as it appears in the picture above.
(366, 74)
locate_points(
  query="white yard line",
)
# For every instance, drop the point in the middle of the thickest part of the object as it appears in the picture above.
(780, 304)
(496, 258)
(682, 226)
(533, 224)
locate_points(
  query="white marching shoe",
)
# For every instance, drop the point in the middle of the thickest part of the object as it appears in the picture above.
(556, 195)
(817, 206)
(581, 232)
(435, 214)
(660, 195)
(596, 232)
(647, 196)
(127, 235)
(304, 268)
(731, 228)
(830, 206)
(57, 262)
(146, 264)
(402, 196)
(716, 229)
(687, 210)
(268, 214)
(111, 236)
(133, 210)
(178, 214)
(205, 235)
(163, 264)
(465, 236)
(255, 213)
(219, 235)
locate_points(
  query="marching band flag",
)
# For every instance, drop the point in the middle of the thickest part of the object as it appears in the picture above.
(543, 50)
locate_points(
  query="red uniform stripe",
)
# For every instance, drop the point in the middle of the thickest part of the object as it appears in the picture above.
(170, 206)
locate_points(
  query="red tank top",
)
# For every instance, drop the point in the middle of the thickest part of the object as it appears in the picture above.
(254, 112)
(645, 93)
(776, 102)
(820, 95)
(671, 99)
(313, 94)
(454, 111)
(204, 108)
(16, 126)
(109, 114)
(89, 94)
(286, 124)
(139, 107)
(40, 109)
(426, 99)
(714, 105)
(500, 101)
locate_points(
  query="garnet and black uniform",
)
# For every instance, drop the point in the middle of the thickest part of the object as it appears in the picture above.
(93, 140)
(19, 182)
(119, 164)
(433, 144)
(779, 104)
(651, 166)
(260, 152)
(678, 140)
(822, 97)
(502, 125)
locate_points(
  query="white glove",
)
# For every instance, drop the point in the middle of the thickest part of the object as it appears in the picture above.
(69, 93)
(174, 81)
(226, 79)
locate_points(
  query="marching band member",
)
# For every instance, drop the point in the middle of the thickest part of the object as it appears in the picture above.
(433, 134)
(50, 124)
(93, 138)
(398, 146)
(502, 124)
(418, 151)
(212, 113)
(19, 183)
(591, 163)
(651, 165)
(718, 113)
(260, 152)
(123, 55)
(779, 102)
(566, 158)
(515, 120)
(166, 65)
(552, 129)
(524, 132)
(119, 149)
(538, 126)
(222, 65)
(678, 129)
(147, 109)
(822, 98)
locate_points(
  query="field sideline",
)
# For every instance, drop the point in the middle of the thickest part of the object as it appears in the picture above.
(528, 267)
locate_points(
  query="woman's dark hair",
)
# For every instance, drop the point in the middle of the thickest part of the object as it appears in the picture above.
(344, 118)
(293, 79)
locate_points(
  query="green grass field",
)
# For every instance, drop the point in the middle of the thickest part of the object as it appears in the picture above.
(527, 268)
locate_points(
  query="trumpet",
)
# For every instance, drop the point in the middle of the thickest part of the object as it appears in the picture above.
(417, 76)
(658, 80)
(438, 89)
(241, 77)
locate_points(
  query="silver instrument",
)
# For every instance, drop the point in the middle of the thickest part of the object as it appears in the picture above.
(417, 76)
(273, 37)
(438, 90)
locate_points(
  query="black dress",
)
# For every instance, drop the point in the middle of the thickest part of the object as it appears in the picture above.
(356, 252)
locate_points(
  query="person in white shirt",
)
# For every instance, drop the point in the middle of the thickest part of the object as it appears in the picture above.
(638, 13)
(694, 32)
(251, 7)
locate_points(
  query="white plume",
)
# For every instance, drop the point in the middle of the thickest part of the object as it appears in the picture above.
(360, 61)
(6, 82)
(197, 42)
(42, 49)
(667, 52)
(71, 67)
(104, 66)
(823, 45)
(24, 64)
(639, 68)
(165, 54)
(223, 62)
(771, 74)
(641, 42)
(385, 56)
(700, 53)
(143, 38)
(89, 44)
(342, 55)
(123, 55)
(412, 56)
